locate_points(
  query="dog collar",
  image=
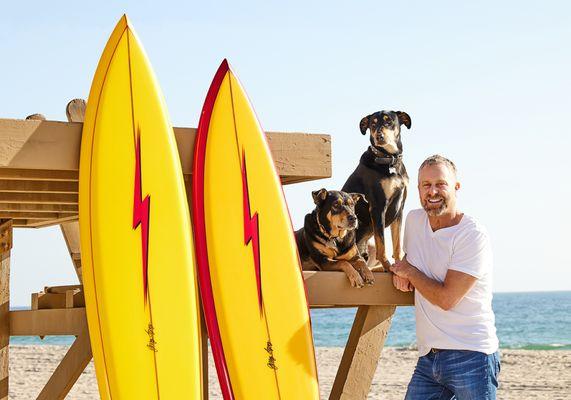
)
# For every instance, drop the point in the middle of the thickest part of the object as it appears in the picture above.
(384, 158)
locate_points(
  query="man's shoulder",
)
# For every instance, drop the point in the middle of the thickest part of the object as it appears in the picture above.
(415, 215)
(471, 232)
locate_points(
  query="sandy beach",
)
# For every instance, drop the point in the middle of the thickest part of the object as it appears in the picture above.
(525, 374)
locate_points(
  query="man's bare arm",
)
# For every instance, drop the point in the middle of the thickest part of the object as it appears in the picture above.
(443, 294)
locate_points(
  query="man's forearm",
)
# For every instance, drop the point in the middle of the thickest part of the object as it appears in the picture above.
(434, 291)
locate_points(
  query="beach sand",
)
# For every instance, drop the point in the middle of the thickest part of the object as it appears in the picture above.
(525, 374)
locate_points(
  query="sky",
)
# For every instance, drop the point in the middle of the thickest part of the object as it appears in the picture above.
(486, 84)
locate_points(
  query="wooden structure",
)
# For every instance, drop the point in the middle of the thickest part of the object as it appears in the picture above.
(39, 187)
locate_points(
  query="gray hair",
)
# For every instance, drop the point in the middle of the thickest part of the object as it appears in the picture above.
(438, 159)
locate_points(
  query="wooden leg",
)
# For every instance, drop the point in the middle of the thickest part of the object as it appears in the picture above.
(362, 353)
(70, 232)
(75, 111)
(69, 369)
(5, 246)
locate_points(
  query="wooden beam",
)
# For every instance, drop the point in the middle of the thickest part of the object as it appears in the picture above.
(39, 198)
(12, 186)
(5, 247)
(50, 222)
(328, 289)
(54, 145)
(37, 175)
(40, 208)
(67, 321)
(29, 215)
(362, 353)
(69, 369)
(75, 112)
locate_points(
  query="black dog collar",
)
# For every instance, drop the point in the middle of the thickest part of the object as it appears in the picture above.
(384, 158)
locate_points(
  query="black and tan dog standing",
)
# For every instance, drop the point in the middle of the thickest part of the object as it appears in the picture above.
(327, 240)
(382, 178)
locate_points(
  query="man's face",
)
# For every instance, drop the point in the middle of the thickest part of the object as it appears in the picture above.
(437, 186)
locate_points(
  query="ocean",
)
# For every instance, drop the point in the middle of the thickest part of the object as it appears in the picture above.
(531, 321)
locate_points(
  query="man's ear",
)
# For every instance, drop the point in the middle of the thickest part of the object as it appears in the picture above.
(319, 196)
(457, 186)
(364, 124)
(404, 118)
(357, 197)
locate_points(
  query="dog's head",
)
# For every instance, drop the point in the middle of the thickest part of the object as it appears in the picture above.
(336, 211)
(385, 129)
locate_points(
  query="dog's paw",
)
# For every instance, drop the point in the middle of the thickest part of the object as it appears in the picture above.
(367, 275)
(355, 278)
(383, 266)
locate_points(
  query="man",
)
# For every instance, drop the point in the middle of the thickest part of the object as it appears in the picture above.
(449, 263)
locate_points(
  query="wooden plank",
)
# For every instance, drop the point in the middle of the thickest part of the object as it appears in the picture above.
(362, 353)
(69, 369)
(40, 208)
(50, 222)
(39, 198)
(5, 247)
(11, 186)
(51, 301)
(54, 145)
(329, 288)
(30, 215)
(62, 289)
(75, 112)
(66, 321)
(37, 175)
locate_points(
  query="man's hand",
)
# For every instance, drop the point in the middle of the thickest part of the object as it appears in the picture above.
(402, 284)
(403, 269)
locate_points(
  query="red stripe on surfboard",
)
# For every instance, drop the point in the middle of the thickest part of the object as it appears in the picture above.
(206, 292)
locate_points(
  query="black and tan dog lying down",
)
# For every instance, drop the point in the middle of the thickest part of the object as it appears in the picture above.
(327, 240)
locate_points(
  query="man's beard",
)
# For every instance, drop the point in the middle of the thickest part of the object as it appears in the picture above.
(435, 212)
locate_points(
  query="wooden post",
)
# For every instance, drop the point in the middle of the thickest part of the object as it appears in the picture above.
(69, 369)
(75, 111)
(362, 352)
(5, 246)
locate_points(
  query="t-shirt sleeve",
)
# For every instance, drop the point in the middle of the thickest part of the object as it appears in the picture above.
(472, 253)
(411, 232)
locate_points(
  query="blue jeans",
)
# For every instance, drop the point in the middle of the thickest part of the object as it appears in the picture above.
(455, 374)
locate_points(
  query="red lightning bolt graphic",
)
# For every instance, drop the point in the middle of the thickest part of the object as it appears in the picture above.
(251, 229)
(141, 210)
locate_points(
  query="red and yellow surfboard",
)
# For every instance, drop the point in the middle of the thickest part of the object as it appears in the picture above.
(136, 244)
(250, 278)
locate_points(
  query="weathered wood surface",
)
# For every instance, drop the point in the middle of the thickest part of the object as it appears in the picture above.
(325, 288)
(5, 247)
(75, 111)
(69, 369)
(54, 145)
(65, 321)
(362, 353)
(39, 163)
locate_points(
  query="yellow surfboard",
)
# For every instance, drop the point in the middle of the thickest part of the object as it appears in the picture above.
(137, 253)
(250, 278)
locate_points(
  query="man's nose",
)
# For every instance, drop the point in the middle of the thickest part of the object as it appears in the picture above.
(432, 190)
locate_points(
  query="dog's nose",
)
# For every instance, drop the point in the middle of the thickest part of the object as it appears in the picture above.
(381, 137)
(352, 218)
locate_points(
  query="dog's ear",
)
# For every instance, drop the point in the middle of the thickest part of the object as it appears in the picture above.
(404, 118)
(357, 197)
(319, 196)
(364, 124)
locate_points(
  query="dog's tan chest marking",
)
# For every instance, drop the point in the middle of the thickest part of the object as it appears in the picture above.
(349, 255)
(391, 185)
(325, 250)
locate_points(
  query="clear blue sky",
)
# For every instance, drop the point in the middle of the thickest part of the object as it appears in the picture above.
(487, 84)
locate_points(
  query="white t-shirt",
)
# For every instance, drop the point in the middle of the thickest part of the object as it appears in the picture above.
(470, 325)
